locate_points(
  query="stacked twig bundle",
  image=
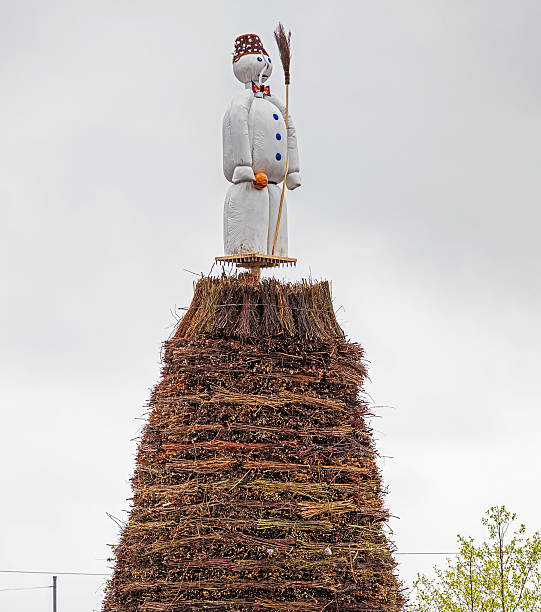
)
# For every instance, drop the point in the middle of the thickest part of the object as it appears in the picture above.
(256, 485)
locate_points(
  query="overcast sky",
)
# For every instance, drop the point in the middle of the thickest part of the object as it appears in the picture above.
(419, 127)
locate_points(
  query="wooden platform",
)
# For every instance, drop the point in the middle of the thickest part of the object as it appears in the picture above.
(256, 260)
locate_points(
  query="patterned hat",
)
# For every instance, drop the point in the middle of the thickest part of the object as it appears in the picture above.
(247, 43)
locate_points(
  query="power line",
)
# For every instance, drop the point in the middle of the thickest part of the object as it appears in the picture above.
(27, 588)
(425, 553)
(51, 573)
(45, 573)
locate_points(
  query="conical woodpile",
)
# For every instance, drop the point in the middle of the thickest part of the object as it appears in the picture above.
(256, 486)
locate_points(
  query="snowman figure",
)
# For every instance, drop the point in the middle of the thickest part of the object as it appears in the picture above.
(254, 157)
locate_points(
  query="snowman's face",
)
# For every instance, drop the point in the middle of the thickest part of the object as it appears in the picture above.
(248, 67)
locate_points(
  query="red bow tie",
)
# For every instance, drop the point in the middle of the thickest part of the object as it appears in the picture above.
(265, 89)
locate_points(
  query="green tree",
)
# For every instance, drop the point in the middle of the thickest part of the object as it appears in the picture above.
(502, 574)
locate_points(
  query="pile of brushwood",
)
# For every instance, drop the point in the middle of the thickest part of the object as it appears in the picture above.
(256, 486)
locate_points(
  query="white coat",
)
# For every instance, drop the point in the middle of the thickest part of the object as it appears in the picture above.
(254, 140)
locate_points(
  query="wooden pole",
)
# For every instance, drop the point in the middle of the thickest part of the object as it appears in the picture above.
(54, 592)
(255, 272)
(285, 172)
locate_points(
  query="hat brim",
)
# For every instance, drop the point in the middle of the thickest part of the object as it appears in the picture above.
(236, 58)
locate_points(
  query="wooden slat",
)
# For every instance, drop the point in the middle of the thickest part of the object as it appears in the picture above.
(260, 260)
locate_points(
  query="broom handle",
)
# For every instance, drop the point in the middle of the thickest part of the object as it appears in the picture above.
(285, 171)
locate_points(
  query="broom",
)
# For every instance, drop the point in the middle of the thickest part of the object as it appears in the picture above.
(283, 42)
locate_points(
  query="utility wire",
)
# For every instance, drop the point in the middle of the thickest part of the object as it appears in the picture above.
(102, 574)
(27, 588)
(425, 553)
(52, 573)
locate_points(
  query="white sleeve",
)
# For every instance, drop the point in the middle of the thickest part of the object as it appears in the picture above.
(243, 174)
(293, 179)
(237, 153)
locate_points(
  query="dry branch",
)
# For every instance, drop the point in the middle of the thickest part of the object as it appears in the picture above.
(256, 485)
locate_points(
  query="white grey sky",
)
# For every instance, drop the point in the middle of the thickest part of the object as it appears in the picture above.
(419, 128)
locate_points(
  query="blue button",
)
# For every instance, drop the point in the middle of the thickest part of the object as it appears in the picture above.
(278, 156)
(275, 116)
(278, 136)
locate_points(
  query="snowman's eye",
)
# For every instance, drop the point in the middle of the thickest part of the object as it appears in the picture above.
(259, 59)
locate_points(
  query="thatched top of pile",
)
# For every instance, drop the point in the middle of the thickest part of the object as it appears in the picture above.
(233, 307)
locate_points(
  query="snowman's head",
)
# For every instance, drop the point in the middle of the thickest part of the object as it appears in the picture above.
(250, 60)
(249, 67)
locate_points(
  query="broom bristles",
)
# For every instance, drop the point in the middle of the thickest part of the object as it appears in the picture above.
(283, 41)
